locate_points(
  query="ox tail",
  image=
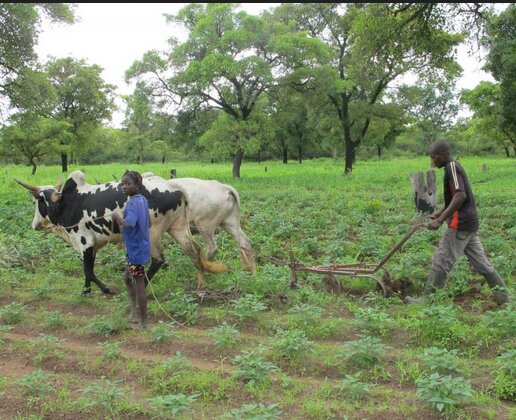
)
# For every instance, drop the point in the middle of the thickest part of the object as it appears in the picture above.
(213, 267)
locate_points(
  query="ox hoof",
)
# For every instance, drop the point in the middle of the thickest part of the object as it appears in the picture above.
(111, 290)
(86, 291)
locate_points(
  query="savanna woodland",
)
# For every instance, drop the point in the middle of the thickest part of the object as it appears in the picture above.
(317, 114)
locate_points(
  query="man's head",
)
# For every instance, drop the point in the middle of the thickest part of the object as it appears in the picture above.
(440, 153)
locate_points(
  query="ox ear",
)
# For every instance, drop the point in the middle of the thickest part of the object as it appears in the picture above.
(35, 190)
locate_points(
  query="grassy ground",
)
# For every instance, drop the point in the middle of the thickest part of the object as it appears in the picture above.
(249, 346)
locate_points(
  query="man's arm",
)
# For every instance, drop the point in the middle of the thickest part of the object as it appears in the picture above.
(458, 198)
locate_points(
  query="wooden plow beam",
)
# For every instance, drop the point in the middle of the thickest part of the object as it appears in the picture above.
(356, 270)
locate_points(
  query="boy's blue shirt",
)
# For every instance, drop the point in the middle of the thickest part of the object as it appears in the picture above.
(137, 233)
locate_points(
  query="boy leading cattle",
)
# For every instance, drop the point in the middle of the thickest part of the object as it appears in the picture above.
(135, 226)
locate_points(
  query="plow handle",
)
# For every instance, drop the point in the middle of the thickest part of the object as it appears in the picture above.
(417, 225)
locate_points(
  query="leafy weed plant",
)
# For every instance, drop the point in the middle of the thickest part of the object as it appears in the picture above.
(172, 404)
(252, 368)
(362, 353)
(112, 350)
(13, 313)
(247, 307)
(290, 344)
(36, 383)
(163, 332)
(351, 387)
(258, 411)
(225, 335)
(504, 384)
(46, 346)
(444, 392)
(442, 361)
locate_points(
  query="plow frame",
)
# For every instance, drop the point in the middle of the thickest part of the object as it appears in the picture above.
(356, 270)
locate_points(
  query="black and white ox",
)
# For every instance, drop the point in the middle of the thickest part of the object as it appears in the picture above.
(213, 205)
(81, 214)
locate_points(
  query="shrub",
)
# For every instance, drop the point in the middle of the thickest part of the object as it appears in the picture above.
(444, 392)
(225, 335)
(364, 352)
(247, 307)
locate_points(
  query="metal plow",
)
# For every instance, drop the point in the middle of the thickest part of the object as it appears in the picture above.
(375, 272)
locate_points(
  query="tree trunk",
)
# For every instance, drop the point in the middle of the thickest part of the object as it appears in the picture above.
(285, 154)
(379, 150)
(33, 167)
(425, 196)
(300, 154)
(64, 162)
(350, 153)
(259, 157)
(507, 154)
(237, 162)
(163, 159)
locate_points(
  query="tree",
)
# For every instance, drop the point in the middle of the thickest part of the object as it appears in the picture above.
(228, 62)
(372, 45)
(488, 113)
(84, 100)
(32, 136)
(431, 106)
(501, 62)
(19, 30)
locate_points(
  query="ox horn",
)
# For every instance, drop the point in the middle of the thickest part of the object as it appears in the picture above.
(32, 188)
(59, 184)
(116, 179)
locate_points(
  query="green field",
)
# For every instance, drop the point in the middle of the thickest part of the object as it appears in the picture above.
(250, 346)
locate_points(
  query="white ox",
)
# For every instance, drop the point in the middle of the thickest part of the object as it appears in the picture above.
(211, 205)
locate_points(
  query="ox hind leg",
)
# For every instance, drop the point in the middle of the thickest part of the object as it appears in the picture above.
(88, 258)
(208, 237)
(246, 250)
(180, 231)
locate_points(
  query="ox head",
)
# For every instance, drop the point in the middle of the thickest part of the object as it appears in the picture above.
(43, 197)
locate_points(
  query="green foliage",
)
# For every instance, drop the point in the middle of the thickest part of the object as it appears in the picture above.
(106, 326)
(183, 306)
(112, 350)
(105, 393)
(46, 346)
(438, 326)
(163, 332)
(176, 363)
(54, 320)
(441, 360)
(225, 335)
(504, 384)
(258, 411)
(173, 404)
(252, 368)
(36, 384)
(362, 353)
(290, 344)
(502, 322)
(351, 387)
(444, 392)
(373, 321)
(247, 307)
(13, 313)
